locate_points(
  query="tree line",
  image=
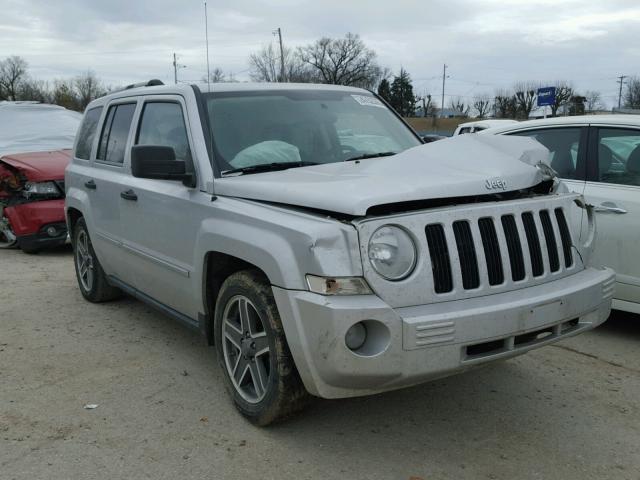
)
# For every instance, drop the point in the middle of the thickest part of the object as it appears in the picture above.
(339, 61)
(73, 93)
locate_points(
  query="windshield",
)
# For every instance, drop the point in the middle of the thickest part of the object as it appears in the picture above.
(301, 127)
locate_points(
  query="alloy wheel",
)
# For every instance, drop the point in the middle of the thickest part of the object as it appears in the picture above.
(246, 349)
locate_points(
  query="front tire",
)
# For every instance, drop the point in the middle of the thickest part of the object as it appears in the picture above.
(259, 370)
(91, 278)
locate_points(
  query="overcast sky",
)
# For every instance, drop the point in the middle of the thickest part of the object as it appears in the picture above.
(487, 44)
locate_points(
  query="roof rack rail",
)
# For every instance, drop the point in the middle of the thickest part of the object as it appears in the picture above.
(150, 83)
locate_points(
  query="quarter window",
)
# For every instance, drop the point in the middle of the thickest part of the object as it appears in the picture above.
(115, 133)
(619, 156)
(87, 133)
(564, 145)
(162, 123)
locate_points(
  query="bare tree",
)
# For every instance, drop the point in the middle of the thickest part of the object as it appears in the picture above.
(593, 101)
(13, 70)
(428, 105)
(564, 94)
(504, 104)
(458, 105)
(482, 105)
(525, 98)
(64, 94)
(342, 61)
(35, 90)
(88, 87)
(632, 93)
(216, 75)
(264, 66)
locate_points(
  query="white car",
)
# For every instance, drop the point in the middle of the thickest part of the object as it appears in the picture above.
(480, 125)
(599, 157)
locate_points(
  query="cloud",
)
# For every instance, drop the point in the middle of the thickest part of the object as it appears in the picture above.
(487, 44)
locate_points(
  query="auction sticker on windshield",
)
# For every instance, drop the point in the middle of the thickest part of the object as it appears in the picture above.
(368, 101)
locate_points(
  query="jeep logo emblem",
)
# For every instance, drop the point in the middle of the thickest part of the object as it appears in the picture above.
(494, 184)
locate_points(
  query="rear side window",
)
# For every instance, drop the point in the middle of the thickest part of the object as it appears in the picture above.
(162, 123)
(564, 145)
(619, 156)
(115, 133)
(87, 133)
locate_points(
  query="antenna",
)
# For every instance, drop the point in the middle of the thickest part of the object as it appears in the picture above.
(206, 35)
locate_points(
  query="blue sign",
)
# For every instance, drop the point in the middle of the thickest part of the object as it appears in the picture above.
(546, 96)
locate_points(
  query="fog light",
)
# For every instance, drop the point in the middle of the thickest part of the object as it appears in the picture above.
(51, 231)
(356, 336)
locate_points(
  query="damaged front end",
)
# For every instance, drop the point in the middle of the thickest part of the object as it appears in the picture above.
(31, 212)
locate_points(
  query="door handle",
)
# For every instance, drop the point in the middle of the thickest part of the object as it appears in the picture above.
(129, 195)
(609, 207)
(91, 184)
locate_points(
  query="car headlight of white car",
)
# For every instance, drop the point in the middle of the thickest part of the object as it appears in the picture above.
(392, 252)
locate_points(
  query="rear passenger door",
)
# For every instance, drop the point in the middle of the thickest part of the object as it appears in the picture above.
(104, 185)
(613, 186)
(159, 220)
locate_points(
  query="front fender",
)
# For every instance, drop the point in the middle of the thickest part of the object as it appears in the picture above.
(285, 244)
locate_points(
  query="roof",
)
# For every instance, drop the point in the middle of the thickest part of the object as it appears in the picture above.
(489, 123)
(225, 87)
(577, 120)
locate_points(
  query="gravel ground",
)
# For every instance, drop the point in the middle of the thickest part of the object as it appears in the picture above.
(570, 411)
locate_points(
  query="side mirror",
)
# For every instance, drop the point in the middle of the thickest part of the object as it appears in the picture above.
(159, 162)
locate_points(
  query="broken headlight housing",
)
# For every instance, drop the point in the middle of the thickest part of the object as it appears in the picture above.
(41, 190)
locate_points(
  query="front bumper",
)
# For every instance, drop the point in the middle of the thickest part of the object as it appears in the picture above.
(431, 341)
(30, 221)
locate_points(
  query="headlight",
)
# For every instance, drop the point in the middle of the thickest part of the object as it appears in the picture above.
(41, 188)
(392, 252)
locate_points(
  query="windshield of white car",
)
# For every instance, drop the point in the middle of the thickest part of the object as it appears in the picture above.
(301, 127)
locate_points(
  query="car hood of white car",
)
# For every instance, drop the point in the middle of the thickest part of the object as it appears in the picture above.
(466, 165)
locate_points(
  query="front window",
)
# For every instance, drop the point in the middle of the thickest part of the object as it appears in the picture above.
(302, 127)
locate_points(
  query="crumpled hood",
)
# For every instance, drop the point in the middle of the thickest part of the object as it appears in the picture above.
(39, 166)
(465, 165)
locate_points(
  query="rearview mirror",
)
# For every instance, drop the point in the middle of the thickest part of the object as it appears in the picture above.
(159, 162)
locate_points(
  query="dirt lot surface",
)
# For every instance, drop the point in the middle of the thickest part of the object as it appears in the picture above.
(570, 411)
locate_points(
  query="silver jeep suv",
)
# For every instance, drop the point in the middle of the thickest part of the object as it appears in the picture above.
(307, 233)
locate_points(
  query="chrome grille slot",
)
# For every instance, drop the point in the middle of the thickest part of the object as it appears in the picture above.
(440, 262)
(514, 247)
(467, 255)
(491, 251)
(535, 251)
(550, 240)
(565, 235)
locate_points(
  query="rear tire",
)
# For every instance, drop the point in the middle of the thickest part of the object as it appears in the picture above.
(91, 278)
(258, 368)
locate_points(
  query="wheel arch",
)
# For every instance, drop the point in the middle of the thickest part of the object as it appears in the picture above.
(219, 266)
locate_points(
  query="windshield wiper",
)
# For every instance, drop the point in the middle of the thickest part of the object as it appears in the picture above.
(268, 167)
(364, 156)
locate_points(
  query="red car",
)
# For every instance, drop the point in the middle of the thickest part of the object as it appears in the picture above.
(35, 148)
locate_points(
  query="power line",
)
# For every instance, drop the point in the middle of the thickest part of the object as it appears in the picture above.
(621, 81)
(176, 66)
(444, 76)
(278, 32)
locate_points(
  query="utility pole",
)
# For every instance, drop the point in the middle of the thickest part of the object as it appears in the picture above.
(620, 81)
(176, 66)
(444, 76)
(278, 32)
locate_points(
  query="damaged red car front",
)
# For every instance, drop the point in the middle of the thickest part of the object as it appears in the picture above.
(35, 148)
